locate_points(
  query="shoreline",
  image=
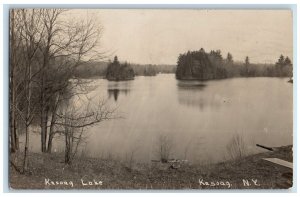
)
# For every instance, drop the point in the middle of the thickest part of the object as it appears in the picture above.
(47, 171)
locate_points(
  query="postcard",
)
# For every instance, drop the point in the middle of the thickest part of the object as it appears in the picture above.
(150, 99)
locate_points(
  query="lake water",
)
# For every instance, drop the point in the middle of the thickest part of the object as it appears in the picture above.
(199, 119)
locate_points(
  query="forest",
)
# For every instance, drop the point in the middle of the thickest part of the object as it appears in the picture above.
(96, 69)
(204, 66)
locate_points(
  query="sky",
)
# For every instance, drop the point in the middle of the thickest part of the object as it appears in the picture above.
(158, 36)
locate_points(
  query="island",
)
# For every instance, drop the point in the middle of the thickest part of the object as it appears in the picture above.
(119, 72)
(202, 65)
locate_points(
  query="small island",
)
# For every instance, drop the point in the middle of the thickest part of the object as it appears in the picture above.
(200, 65)
(119, 72)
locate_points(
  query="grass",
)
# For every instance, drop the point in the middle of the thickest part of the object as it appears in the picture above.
(117, 175)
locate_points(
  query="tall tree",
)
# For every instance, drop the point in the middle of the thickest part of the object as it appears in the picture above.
(287, 61)
(247, 61)
(66, 45)
(45, 50)
(14, 141)
(28, 33)
(229, 58)
(280, 61)
(247, 64)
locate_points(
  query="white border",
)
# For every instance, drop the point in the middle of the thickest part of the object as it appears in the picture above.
(53, 2)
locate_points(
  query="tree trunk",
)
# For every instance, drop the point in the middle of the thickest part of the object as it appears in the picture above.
(44, 120)
(28, 116)
(50, 138)
(13, 147)
(25, 161)
(67, 148)
(16, 135)
(49, 149)
(53, 119)
(14, 140)
(44, 104)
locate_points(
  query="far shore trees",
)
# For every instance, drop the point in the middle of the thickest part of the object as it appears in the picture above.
(200, 65)
(283, 67)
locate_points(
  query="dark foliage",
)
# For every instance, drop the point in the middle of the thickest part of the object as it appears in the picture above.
(201, 65)
(119, 72)
(204, 66)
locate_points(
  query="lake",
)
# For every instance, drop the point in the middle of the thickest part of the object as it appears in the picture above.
(198, 119)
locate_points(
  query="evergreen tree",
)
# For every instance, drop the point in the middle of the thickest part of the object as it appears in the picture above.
(229, 58)
(247, 61)
(287, 61)
(116, 71)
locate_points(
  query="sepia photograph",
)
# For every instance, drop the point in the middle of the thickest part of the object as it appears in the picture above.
(150, 99)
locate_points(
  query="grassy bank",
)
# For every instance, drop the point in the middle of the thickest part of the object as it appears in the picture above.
(251, 172)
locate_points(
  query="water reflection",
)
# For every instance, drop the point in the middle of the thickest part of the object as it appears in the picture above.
(115, 88)
(188, 85)
(191, 94)
(115, 93)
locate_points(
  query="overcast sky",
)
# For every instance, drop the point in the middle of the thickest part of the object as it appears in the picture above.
(158, 36)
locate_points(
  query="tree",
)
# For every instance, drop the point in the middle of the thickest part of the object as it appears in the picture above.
(116, 61)
(287, 61)
(14, 140)
(66, 45)
(45, 50)
(73, 122)
(29, 36)
(247, 64)
(283, 67)
(23, 47)
(229, 58)
(280, 61)
(289, 65)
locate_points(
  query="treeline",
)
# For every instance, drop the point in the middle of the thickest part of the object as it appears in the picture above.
(91, 69)
(204, 66)
(44, 56)
(99, 69)
(152, 69)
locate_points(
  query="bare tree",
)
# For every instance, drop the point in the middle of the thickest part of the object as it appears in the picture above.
(45, 50)
(28, 35)
(14, 141)
(66, 45)
(74, 121)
